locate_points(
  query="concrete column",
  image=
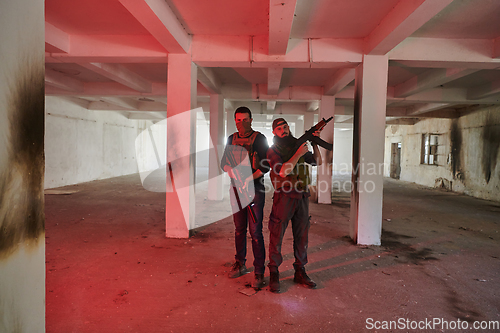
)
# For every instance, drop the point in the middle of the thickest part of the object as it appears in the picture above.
(215, 183)
(308, 120)
(368, 149)
(299, 127)
(181, 145)
(324, 181)
(230, 129)
(22, 232)
(231, 126)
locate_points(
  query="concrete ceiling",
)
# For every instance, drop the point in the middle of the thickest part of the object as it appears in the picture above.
(444, 55)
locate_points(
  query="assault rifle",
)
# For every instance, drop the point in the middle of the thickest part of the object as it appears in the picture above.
(239, 193)
(308, 135)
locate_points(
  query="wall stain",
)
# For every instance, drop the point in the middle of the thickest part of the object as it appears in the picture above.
(491, 143)
(21, 182)
(456, 148)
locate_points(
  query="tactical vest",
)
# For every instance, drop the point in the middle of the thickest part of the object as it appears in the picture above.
(296, 181)
(241, 154)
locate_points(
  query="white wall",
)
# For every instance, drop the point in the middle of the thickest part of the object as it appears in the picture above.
(468, 153)
(83, 145)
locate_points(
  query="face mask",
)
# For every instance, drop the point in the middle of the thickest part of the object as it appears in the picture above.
(244, 127)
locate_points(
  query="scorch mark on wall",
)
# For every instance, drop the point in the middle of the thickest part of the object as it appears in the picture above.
(21, 179)
(491, 145)
(456, 147)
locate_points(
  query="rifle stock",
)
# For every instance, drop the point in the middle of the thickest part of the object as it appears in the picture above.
(239, 193)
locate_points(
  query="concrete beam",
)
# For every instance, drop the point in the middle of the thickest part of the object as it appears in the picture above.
(109, 89)
(245, 51)
(425, 108)
(61, 81)
(159, 19)
(271, 105)
(281, 13)
(56, 40)
(146, 116)
(111, 49)
(445, 53)
(312, 106)
(403, 20)
(124, 103)
(484, 91)
(436, 95)
(208, 78)
(273, 80)
(401, 121)
(430, 79)
(157, 106)
(121, 75)
(340, 80)
(259, 92)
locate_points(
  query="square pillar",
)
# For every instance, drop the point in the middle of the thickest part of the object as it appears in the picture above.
(215, 180)
(368, 149)
(324, 181)
(308, 120)
(181, 145)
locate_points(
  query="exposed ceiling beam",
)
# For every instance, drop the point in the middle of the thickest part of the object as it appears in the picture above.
(484, 91)
(436, 95)
(209, 80)
(159, 19)
(237, 51)
(447, 95)
(61, 81)
(106, 106)
(259, 93)
(271, 105)
(121, 102)
(273, 80)
(430, 79)
(401, 121)
(156, 106)
(281, 13)
(395, 112)
(146, 115)
(445, 53)
(340, 80)
(111, 49)
(228, 105)
(56, 40)
(121, 75)
(312, 106)
(403, 20)
(419, 109)
(159, 89)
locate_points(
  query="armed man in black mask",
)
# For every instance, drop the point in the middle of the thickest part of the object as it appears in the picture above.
(290, 178)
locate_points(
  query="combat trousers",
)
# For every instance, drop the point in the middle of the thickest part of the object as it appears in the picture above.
(242, 221)
(286, 208)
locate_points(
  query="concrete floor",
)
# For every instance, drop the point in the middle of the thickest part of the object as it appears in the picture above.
(111, 269)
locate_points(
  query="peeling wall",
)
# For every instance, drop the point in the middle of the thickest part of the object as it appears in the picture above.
(468, 153)
(83, 145)
(22, 241)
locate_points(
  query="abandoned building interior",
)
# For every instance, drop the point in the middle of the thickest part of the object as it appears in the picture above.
(114, 115)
